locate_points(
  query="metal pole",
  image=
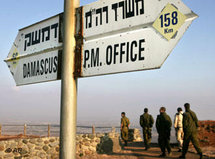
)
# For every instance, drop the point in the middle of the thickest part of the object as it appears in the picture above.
(0, 129)
(49, 130)
(68, 84)
(25, 129)
(93, 130)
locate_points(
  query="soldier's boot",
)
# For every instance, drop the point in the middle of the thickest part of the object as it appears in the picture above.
(182, 156)
(200, 155)
(163, 155)
(146, 147)
(170, 153)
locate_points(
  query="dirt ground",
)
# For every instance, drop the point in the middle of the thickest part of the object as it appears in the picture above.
(136, 150)
(207, 133)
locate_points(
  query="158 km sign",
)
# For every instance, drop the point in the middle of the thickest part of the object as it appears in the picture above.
(123, 36)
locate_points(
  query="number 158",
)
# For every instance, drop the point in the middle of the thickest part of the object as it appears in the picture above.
(168, 19)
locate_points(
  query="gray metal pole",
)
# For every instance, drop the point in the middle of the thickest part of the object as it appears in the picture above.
(68, 84)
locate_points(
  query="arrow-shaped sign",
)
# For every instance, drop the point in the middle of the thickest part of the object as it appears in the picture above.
(35, 56)
(130, 35)
(117, 36)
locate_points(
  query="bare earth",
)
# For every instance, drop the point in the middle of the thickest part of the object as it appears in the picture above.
(136, 151)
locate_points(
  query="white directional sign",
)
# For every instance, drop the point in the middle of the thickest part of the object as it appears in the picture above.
(130, 35)
(35, 55)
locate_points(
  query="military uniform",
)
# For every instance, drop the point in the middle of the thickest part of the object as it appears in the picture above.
(146, 122)
(190, 125)
(163, 125)
(124, 129)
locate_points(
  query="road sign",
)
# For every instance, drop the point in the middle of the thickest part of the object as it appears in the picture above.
(169, 21)
(130, 35)
(35, 56)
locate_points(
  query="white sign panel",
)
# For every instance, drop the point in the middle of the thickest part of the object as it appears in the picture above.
(131, 35)
(136, 50)
(38, 37)
(37, 68)
(104, 16)
(35, 51)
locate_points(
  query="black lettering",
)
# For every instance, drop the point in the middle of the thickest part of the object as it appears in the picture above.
(36, 38)
(109, 55)
(88, 24)
(42, 66)
(121, 4)
(129, 8)
(99, 11)
(55, 26)
(50, 64)
(115, 52)
(137, 7)
(133, 57)
(28, 70)
(46, 29)
(122, 51)
(24, 70)
(141, 49)
(46, 67)
(38, 68)
(95, 58)
(86, 57)
(29, 41)
(105, 9)
(55, 64)
(114, 7)
(127, 52)
(33, 68)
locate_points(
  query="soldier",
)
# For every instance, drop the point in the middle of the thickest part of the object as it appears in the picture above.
(125, 123)
(190, 128)
(163, 125)
(179, 128)
(146, 122)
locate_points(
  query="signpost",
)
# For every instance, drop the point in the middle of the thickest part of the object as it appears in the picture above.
(105, 37)
(68, 115)
(35, 55)
(130, 35)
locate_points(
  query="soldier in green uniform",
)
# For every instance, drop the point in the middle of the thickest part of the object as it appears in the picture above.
(190, 128)
(163, 125)
(146, 122)
(125, 123)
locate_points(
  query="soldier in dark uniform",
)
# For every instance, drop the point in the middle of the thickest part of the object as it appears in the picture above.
(190, 128)
(146, 122)
(163, 125)
(125, 123)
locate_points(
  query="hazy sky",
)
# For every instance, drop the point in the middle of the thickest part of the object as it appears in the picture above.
(187, 75)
